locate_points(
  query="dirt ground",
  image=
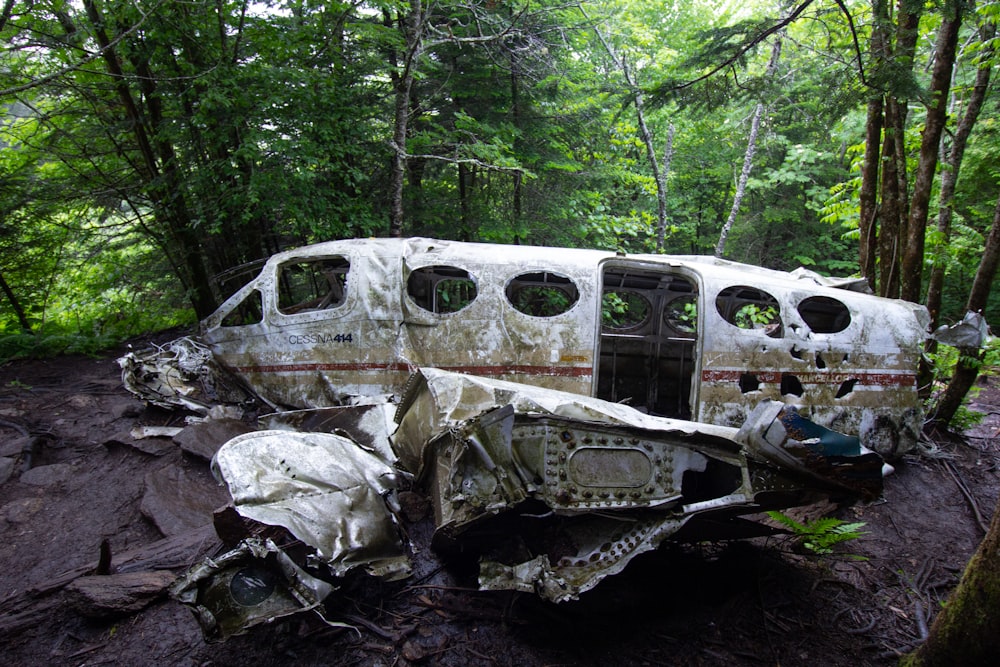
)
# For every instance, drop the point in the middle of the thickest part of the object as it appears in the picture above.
(72, 478)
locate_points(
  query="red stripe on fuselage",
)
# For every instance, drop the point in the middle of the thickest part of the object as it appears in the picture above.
(863, 378)
(361, 367)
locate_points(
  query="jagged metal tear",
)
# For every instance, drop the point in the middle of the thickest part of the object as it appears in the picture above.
(325, 489)
(614, 479)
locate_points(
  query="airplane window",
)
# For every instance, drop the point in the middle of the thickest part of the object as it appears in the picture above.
(312, 284)
(542, 294)
(681, 314)
(750, 308)
(623, 310)
(249, 311)
(441, 289)
(824, 314)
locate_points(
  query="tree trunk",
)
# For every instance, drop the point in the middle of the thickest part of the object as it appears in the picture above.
(870, 170)
(892, 210)
(967, 631)
(949, 176)
(668, 156)
(647, 137)
(868, 197)
(411, 25)
(22, 318)
(944, 59)
(968, 366)
(741, 186)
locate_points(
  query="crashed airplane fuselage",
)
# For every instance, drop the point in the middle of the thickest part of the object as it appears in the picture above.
(694, 338)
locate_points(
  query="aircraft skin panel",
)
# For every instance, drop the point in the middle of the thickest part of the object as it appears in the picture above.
(415, 303)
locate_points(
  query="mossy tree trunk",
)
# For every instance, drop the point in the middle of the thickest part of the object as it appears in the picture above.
(967, 631)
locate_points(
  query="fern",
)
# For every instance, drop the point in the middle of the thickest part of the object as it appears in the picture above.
(821, 535)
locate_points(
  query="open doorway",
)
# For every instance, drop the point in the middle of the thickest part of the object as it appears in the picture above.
(649, 335)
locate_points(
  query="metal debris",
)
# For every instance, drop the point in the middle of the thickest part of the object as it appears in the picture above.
(566, 410)
(688, 337)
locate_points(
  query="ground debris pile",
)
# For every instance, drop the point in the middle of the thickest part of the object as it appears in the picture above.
(97, 524)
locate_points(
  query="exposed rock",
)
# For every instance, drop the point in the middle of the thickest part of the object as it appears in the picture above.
(6, 468)
(203, 439)
(21, 510)
(49, 475)
(15, 446)
(151, 446)
(102, 596)
(178, 500)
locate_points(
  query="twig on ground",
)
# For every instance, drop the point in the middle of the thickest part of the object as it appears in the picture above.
(918, 611)
(968, 496)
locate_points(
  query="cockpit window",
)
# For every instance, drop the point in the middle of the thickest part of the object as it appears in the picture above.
(750, 308)
(312, 284)
(441, 289)
(249, 311)
(542, 294)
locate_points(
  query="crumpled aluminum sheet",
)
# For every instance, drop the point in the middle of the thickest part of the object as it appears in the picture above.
(970, 333)
(325, 489)
(457, 397)
(254, 583)
(486, 447)
(181, 374)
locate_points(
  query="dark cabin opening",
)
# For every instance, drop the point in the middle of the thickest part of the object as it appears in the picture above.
(649, 329)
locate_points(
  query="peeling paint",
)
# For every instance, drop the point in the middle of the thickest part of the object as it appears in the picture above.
(861, 358)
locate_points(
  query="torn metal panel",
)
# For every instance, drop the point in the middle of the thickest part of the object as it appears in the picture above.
(368, 425)
(577, 487)
(181, 374)
(326, 490)
(687, 337)
(252, 584)
(970, 333)
(552, 491)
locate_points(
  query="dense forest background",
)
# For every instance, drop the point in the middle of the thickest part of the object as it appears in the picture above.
(150, 151)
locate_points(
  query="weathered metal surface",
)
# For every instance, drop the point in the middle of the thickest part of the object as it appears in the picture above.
(591, 484)
(385, 307)
(182, 374)
(583, 405)
(255, 583)
(326, 490)
(553, 491)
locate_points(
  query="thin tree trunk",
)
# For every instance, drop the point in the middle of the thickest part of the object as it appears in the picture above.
(647, 137)
(403, 83)
(22, 318)
(968, 363)
(944, 60)
(892, 210)
(868, 197)
(949, 176)
(668, 157)
(741, 186)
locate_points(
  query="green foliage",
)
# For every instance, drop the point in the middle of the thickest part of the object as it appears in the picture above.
(821, 535)
(268, 125)
(945, 358)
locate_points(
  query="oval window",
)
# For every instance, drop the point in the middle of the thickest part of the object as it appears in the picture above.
(441, 289)
(824, 315)
(542, 294)
(623, 310)
(750, 308)
(681, 315)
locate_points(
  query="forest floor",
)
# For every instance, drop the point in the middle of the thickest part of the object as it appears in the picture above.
(75, 478)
